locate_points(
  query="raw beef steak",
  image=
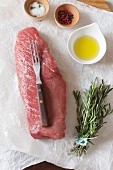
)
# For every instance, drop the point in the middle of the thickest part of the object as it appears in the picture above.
(54, 86)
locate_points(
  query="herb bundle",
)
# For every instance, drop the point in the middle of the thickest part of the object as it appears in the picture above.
(90, 114)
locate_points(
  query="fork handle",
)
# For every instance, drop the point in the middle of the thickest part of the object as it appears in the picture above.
(42, 109)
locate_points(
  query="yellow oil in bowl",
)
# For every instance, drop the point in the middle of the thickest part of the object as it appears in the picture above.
(86, 48)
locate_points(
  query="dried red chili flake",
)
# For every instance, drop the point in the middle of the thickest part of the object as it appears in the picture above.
(65, 17)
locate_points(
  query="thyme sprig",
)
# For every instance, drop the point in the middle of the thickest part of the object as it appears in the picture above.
(90, 114)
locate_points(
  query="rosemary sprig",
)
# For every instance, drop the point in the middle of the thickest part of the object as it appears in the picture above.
(90, 114)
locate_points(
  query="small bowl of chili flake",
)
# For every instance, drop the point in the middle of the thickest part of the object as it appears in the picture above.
(66, 15)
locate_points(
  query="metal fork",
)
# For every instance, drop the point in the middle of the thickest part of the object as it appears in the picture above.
(36, 66)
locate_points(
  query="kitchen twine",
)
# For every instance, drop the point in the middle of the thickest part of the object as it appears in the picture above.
(82, 141)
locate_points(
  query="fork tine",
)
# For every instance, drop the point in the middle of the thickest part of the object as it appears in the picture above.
(36, 50)
(33, 52)
(35, 56)
(31, 48)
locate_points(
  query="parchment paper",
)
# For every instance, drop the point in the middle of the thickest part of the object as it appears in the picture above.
(14, 133)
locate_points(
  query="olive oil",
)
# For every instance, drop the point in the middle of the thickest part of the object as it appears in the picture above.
(86, 47)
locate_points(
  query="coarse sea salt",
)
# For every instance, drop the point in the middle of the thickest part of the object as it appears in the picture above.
(37, 9)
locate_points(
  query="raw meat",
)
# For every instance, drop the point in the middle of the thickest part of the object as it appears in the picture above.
(53, 85)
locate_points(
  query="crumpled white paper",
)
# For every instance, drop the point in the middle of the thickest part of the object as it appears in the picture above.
(14, 133)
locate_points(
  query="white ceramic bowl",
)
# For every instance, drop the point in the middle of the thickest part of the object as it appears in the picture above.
(94, 31)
